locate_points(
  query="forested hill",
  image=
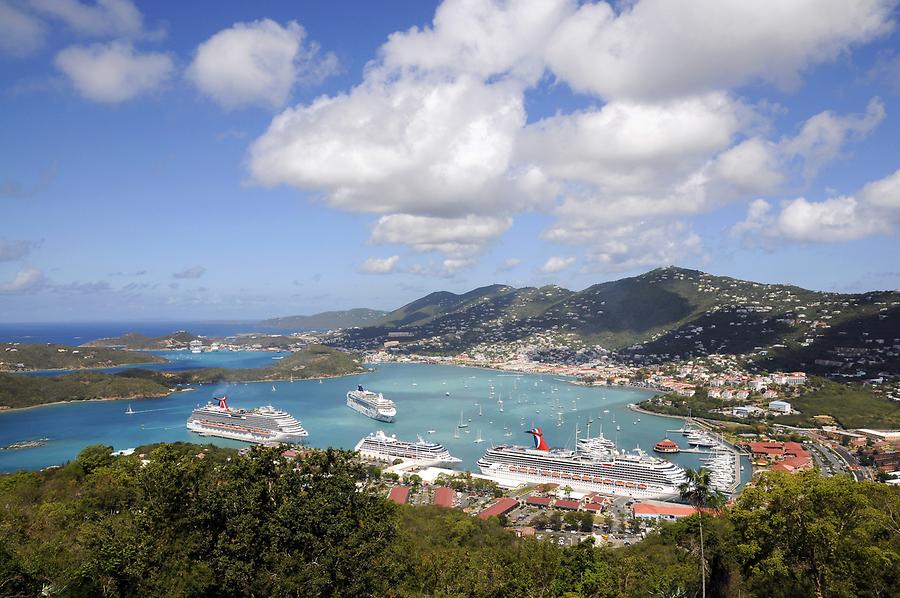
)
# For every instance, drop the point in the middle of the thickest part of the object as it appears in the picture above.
(17, 357)
(665, 313)
(176, 524)
(327, 320)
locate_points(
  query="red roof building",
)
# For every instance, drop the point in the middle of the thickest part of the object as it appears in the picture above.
(501, 507)
(444, 496)
(562, 503)
(593, 507)
(660, 510)
(399, 494)
(538, 501)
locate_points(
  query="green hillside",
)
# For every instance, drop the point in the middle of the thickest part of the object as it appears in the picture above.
(17, 390)
(136, 341)
(663, 314)
(32, 356)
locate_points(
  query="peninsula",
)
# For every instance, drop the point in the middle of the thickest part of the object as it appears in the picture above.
(29, 357)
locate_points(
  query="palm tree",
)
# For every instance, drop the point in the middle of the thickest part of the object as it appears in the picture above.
(699, 491)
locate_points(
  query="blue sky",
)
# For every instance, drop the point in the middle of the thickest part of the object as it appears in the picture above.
(172, 160)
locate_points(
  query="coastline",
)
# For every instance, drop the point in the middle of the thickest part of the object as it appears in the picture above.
(131, 398)
(63, 371)
(138, 397)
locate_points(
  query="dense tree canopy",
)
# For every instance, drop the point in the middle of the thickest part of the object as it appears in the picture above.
(175, 524)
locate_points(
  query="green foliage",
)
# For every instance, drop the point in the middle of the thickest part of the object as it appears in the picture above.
(854, 406)
(261, 525)
(17, 390)
(34, 356)
(814, 535)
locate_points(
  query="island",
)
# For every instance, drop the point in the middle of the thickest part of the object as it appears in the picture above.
(28, 357)
(313, 361)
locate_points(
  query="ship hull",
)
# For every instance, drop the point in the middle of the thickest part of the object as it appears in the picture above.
(206, 429)
(659, 492)
(370, 412)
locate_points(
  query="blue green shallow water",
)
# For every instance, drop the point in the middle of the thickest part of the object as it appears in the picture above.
(419, 391)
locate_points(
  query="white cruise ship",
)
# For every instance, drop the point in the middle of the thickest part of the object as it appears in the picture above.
(379, 445)
(261, 425)
(614, 472)
(371, 404)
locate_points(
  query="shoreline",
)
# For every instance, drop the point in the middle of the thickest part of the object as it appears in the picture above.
(83, 369)
(131, 398)
(140, 397)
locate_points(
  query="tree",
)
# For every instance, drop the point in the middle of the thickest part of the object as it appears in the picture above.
(698, 490)
(556, 521)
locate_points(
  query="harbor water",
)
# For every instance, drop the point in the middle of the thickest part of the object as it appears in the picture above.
(431, 401)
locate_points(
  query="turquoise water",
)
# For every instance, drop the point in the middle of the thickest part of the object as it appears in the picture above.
(185, 360)
(422, 405)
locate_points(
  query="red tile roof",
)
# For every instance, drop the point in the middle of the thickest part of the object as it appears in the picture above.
(443, 496)
(542, 501)
(672, 510)
(399, 494)
(503, 505)
(567, 504)
(593, 507)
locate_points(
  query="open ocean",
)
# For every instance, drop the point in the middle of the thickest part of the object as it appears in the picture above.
(77, 333)
(418, 389)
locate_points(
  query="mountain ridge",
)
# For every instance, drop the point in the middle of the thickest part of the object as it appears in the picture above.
(663, 314)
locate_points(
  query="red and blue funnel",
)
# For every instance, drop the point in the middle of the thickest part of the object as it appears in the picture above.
(539, 442)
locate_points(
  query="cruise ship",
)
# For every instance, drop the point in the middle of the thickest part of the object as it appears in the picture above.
(261, 425)
(371, 404)
(379, 445)
(608, 471)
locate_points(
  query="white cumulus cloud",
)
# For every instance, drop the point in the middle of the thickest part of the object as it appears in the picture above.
(437, 144)
(113, 72)
(651, 49)
(374, 265)
(875, 209)
(25, 280)
(257, 63)
(557, 264)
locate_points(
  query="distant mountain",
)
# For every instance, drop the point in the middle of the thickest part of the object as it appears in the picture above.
(665, 313)
(327, 320)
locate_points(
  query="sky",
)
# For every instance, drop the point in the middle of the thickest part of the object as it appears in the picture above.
(243, 160)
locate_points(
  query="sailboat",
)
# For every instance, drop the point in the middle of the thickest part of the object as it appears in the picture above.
(462, 424)
(273, 388)
(320, 380)
(479, 439)
(501, 406)
(479, 410)
(129, 411)
(456, 432)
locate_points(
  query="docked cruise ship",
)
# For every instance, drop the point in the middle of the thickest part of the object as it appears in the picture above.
(371, 404)
(598, 469)
(379, 445)
(261, 425)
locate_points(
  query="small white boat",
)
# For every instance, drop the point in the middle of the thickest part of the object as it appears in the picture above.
(479, 439)
(431, 431)
(446, 394)
(129, 411)
(273, 388)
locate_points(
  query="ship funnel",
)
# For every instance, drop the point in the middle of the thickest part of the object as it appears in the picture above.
(359, 387)
(223, 401)
(539, 442)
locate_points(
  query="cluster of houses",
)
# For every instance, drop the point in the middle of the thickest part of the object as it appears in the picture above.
(780, 456)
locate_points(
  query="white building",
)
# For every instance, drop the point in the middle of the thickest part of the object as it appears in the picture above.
(780, 406)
